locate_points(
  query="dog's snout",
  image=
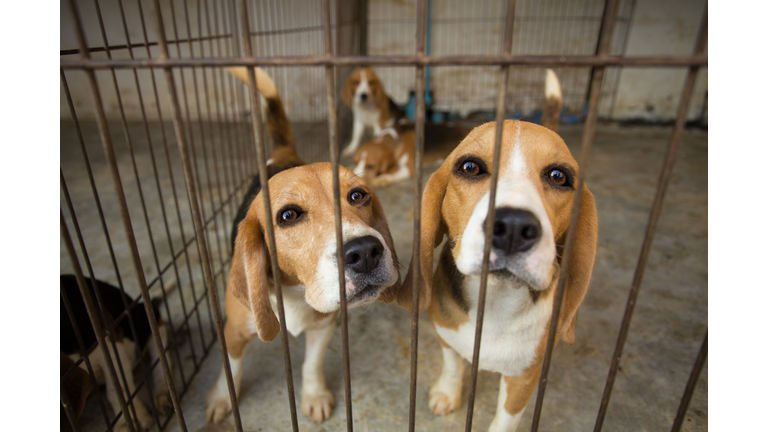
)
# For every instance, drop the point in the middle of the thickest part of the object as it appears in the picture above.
(363, 97)
(515, 230)
(363, 254)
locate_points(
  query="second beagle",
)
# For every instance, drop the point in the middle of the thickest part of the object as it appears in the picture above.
(387, 159)
(537, 180)
(301, 198)
(371, 107)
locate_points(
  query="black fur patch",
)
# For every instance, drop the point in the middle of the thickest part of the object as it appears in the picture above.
(454, 277)
(250, 195)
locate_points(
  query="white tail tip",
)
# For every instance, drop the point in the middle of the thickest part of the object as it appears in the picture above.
(552, 86)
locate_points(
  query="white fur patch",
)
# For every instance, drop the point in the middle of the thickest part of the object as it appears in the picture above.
(360, 167)
(552, 86)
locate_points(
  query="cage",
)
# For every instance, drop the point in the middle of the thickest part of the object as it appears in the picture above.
(159, 145)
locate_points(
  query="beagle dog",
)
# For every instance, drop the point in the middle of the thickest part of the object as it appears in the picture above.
(303, 217)
(127, 342)
(387, 159)
(371, 107)
(536, 186)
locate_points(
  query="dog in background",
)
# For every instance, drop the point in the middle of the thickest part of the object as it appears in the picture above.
(308, 272)
(387, 158)
(126, 341)
(371, 108)
(536, 187)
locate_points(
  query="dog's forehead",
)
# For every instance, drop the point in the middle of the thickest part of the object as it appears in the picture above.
(311, 185)
(537, 145)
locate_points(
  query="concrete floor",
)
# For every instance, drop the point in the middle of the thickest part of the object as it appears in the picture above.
(668, 325)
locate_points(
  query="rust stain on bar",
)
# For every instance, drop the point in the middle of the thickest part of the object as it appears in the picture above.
(691, 385)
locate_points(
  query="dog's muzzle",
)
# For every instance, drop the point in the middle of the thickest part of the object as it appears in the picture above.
(515, 231)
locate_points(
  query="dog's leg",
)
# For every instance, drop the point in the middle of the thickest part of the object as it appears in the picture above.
(162, 395)
(514, 393)
(217, 403)
(316, 400)
(357, 135)
(445, 394)
(125, 351)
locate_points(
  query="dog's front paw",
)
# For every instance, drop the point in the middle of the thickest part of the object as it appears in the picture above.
(442, 402)
(217, 406)
(317, 406)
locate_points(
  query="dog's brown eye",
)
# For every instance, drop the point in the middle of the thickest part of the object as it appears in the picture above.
(357, 196)
(558, 177)
(289, 215)
(470, 168)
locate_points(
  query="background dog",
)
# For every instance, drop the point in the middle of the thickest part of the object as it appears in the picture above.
(371, 107)
(126, 341)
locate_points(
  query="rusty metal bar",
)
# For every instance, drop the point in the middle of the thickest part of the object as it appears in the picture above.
(653, 218)
(330, 92)
(606, 30)
(421, 37)
(129, 45)
(691, 385)
(457, 60)
(501, 111)
(98, 329)
(110, 156)
(269, 227)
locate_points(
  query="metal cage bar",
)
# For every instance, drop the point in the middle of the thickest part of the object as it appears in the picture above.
(421, 30)
(333, 145)
(606, 30)
(691, 385)
(501, 104)
(262, 168)
(653, 218)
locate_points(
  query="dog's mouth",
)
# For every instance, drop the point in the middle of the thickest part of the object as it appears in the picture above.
(364, 294)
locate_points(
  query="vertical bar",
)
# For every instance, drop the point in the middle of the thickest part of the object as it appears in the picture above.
(330, 87)
(262, 165)
(653, 219)
(93, 315)
(110, 156)
(606, 30)
(421, 36)
(501, 104)
(691, 385)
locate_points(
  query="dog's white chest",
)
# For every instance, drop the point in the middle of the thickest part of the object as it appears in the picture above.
(367, 115)
(298, 314)
(513, 327)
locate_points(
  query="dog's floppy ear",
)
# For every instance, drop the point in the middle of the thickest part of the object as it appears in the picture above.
(582, 260)
(380, 225)
(248, 275)
(349, 90)
(432, 232)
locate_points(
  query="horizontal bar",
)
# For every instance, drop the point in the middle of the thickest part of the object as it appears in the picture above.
(410, 60)
(139, 45)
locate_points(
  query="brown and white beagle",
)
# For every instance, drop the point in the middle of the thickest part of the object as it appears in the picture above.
(305, 238)
(387, 159)
(371, 107)
(537, 177)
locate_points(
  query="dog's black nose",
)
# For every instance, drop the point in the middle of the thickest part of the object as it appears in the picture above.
(515, 230)
(362, 254)
(363, 97)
